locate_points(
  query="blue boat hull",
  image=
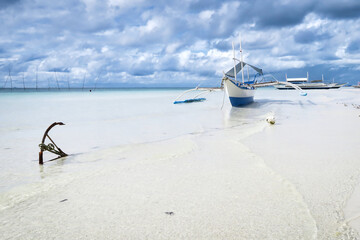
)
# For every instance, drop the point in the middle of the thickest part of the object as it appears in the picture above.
(239, 94)
(240, 101)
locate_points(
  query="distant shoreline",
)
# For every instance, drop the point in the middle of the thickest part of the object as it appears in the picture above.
(108, 88)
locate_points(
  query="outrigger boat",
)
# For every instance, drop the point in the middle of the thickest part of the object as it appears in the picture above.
(357, 86)
(304, 83)
(240, 92)
(336, 85)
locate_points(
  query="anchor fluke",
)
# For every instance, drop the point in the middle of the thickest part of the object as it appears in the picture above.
(51, 147)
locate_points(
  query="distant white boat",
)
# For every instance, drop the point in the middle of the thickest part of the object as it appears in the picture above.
(336, 85)
(304, 83)
(357, 86)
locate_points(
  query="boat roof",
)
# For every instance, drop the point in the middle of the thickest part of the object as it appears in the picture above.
(296, 79)
(239, 66)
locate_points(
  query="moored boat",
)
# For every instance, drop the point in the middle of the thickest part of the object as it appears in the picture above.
(303, 83)
(240, 92)
(357, 86)
(336, 85)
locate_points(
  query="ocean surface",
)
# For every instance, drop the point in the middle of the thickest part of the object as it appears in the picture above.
(141, 167)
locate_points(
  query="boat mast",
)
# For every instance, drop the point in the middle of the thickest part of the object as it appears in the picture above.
(248, 73)
(234, 60)
(242, 65)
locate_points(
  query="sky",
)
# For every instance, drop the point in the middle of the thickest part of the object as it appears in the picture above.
(159, 43)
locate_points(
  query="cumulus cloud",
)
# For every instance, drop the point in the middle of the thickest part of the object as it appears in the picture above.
(354, 47)
(309, 36)
(7, 3)
(339, 10)
(129, 43)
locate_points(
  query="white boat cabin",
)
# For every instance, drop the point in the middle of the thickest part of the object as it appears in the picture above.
(297, 80)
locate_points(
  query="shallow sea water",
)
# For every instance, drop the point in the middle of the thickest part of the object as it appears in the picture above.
(141, 167)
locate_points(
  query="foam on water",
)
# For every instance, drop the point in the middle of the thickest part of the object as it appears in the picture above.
(224, 174)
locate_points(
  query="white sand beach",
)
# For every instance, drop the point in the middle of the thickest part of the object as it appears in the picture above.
(192, 171)
(179, 120)
(317, 150)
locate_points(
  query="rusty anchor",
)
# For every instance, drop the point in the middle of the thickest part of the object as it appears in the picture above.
(51, 147)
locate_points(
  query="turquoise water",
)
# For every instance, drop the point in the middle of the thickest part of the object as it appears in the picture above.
(93, 120)
(134, 155)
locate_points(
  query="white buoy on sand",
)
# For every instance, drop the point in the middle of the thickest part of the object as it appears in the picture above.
(270, 118)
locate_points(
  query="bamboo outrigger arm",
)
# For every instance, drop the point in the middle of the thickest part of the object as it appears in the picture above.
(51, 147)
(256, 85)
(276, 82)
(196, 98)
